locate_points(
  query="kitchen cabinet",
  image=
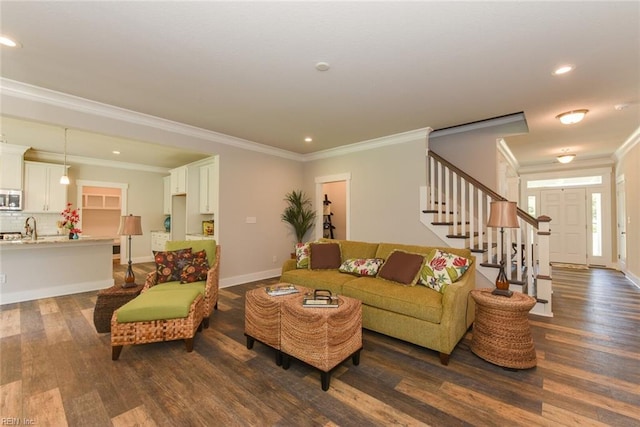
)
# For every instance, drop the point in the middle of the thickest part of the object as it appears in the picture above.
(11, 167)
(166, 182)
(42, 189)
(158, 239)
(179, 180)
(209, 188)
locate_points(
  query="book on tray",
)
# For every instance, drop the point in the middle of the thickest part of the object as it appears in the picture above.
(320, 298)
(281, 289)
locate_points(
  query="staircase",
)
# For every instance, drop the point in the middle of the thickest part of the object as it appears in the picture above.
(456, 208)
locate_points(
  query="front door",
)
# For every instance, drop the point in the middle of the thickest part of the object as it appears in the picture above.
(567, 209)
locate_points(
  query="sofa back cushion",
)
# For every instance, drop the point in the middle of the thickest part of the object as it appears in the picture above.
(385, 249)
(351, 249)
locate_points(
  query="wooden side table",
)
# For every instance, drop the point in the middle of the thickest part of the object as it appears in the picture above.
(501, 332)
(108, 301)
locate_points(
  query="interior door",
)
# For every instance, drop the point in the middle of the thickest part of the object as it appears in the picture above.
(567, 210)
(622, 226)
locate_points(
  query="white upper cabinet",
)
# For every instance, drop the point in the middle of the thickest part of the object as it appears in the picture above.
(11, 168)
(166, 182)
(42, 189)
(209, 188)
(179, 180)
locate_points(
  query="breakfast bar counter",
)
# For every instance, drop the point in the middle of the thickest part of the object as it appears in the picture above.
(53, 266)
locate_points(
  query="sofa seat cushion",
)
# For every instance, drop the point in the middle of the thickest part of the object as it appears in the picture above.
(173, 286)
(150, 306)
(317, 279)
(413, 301)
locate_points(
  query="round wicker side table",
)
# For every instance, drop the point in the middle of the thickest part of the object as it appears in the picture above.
(501, 332)
(108, 301)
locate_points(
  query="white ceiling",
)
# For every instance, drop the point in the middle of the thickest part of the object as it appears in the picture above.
(247, 69)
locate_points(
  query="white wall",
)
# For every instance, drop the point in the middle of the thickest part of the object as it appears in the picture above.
(384, 194)
(629, 167)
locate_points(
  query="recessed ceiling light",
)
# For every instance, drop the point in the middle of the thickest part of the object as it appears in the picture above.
(322, 66)
(308, 139)
(6, 41)
(563, 70)
(115, 152)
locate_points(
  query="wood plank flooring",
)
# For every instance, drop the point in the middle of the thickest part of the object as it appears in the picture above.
(56, 370)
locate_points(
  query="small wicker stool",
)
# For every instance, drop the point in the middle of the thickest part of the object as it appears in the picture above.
(501, 332)
(321, 337)
(262, 318)
(108, 301)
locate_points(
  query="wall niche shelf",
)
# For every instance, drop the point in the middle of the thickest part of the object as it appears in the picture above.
(101, 201)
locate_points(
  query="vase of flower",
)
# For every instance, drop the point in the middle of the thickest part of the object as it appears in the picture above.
(70, 217)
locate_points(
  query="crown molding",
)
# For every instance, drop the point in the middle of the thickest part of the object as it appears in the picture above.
(624, 149)
(598, 162)
(41, 95)
(504, 149)
(70, 102)
(46, 156)
(385, 141)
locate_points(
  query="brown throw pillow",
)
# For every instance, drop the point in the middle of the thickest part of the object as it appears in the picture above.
(197, 269)
(324, 256)
(169, 264)
(402, 267)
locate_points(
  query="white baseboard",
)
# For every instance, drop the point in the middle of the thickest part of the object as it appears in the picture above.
(632, 278)
(251, 277)
(54, 291)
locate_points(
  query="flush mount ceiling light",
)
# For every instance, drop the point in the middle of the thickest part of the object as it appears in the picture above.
(564, 69)
(308, 139)
(6, 41)
(572, 117)
(565, 157)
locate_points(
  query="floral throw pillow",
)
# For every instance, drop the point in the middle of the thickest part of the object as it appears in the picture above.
(302, 255)
(197, 269)
(442, 269)
(361, 266)
(169, 264)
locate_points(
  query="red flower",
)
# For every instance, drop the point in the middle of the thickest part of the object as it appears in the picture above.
(438, 264)
(460, 262)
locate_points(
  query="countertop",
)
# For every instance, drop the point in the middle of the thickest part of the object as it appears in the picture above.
(47, 241)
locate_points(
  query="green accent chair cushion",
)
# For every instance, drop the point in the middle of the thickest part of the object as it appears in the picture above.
(148, 306)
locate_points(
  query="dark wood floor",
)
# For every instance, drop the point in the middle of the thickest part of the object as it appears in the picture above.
(56, 370)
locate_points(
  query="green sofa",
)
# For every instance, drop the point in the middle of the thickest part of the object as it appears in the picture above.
(417, 314)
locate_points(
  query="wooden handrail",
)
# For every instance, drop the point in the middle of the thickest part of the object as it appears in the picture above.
(494, 196)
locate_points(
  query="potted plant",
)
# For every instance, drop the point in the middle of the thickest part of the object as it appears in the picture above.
(299, 213)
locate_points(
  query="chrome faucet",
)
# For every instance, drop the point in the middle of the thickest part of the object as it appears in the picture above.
(31, 231)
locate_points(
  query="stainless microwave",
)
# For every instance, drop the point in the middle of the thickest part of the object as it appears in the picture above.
(10, 200)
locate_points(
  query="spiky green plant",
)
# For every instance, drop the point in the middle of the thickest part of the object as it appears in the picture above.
(299, 213)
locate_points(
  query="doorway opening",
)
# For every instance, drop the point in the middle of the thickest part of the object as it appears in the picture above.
(102, 204)
(337, 190)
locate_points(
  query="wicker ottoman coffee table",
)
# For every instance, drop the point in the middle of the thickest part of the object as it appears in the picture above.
(262, 318)
(321, 337)
(501, 332)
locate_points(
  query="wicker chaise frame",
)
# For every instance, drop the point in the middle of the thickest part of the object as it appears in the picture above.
(157, 330)
(210, 301)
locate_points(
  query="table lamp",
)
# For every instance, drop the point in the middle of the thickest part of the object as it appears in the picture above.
(503, 214)
(130, 226)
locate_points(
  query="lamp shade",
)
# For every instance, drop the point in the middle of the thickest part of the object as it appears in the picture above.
(503, 214)
(130, 226)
